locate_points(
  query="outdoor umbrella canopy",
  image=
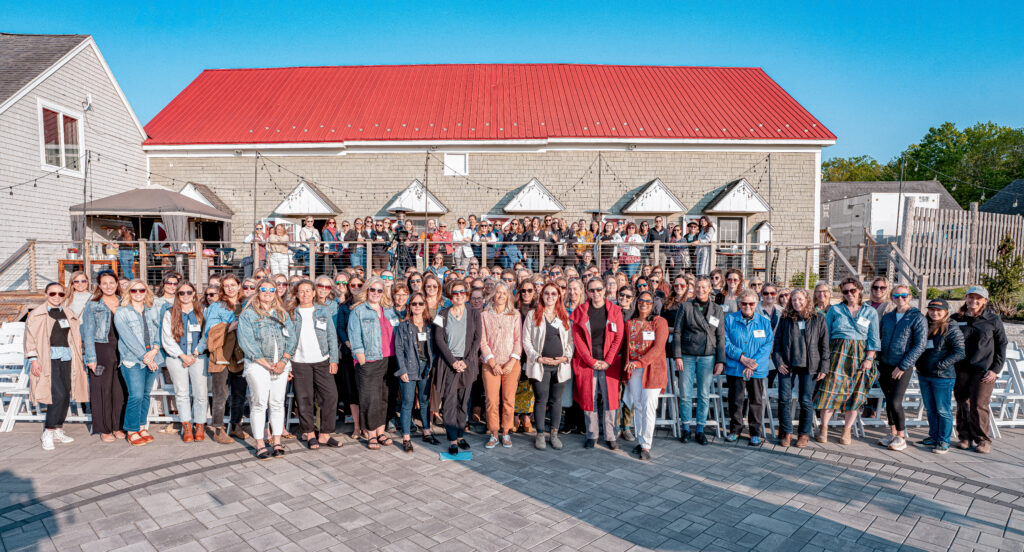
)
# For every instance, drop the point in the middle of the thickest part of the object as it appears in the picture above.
(173, 208)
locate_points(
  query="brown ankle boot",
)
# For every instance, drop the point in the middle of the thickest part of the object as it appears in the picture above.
(221, 436)
(186, 432)
(200, 434)
(845, 438)
(784, 441)
(822, 434)
(527, 425)
(801, 441)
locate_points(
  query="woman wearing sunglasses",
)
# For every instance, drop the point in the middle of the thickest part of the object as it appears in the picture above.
(457, 334)
(853, 331)
(547, 343)
(314, 364)
(267, 337)
(414, 348)
(904, 334)
(99, 336)
(526, 300)
(184, 347)
(138, 333)
(166, 293)
(371, 331)
(79, 294)
(646, 335)
(597, 333)
(748, 346)
(53, 345)
(225, 362)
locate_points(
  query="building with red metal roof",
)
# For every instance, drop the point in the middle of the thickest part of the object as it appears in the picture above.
(478, 136)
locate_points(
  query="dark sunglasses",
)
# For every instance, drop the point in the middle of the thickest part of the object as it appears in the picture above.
(324, 286)
(748, 304)
(626, 295)
(249, 286)
(79, 281)
(171, 283)
(137, 290)
(880, 287)
(415, 281)
(851, 291)
(459, 292)
(376, 290)
(186, 293)
(212, 294)
(417, 304)
(595, 290)
(645, 301)
(56, 294)
(769, 293)
(528, 290)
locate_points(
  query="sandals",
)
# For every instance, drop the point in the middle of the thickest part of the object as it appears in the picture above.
(313, 443)
(332, 442)
(278, 450)
(407, 445)
(372, 444)
(145, 435)
(136, 440)
(430, 439)
(385, 440)
(262, 453)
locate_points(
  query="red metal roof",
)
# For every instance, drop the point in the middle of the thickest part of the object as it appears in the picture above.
(481, 102)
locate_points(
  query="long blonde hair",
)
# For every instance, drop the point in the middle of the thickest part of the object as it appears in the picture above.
(510, 302)
(71, 286)
(126, 300)
(257, 305)
(385, 300)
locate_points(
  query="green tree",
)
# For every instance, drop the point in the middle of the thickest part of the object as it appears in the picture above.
(854, 169)
(1006, 284)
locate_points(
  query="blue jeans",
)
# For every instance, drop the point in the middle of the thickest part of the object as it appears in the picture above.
(805, 384)
(699, 370)
(358, 258)
(409, 398)
(139, 381)
(937, 395)
(631, 268)
(127, 259)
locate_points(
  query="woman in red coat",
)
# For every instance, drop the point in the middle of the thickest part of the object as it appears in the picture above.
(597, 327)
(646, 334)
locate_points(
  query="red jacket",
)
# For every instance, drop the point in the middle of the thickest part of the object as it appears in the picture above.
(583, 358)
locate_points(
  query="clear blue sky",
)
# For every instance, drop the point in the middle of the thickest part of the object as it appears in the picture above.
(877, 74)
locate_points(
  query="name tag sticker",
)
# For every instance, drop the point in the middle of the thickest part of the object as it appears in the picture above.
(802, 325)
(438, 321)
(713, 320)
(284, 332)
(421, 336)
(670, 336)
(930, 345)
(962, 323)
(612, 324)
(194, 328)
(321, 324)
(759, 334)
(648, 335)
(536, 238)
(64, 323)
(863, 323)
(394, 321)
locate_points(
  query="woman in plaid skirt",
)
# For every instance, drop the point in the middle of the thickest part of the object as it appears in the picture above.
(853, 331)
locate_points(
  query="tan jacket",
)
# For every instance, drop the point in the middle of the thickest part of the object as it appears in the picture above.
(38, 326)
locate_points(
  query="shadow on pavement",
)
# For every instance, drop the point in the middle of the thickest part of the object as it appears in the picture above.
(25, 523)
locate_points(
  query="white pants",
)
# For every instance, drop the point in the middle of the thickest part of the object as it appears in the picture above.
(462, 259)
(266, 389)
(645, 408)
(182, 378)
(278, 263)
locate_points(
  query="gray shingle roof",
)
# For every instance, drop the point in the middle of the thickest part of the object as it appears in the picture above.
(23, 57)
(832, 191)
(1002, 202)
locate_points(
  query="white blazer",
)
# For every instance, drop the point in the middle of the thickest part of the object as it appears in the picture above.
(533, 344)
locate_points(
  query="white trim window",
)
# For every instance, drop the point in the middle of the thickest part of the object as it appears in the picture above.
(61, 139)
(456, 164)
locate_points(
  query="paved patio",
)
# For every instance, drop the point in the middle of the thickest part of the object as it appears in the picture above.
(91, 496)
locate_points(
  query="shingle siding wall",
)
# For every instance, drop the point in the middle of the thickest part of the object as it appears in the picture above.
(42, 212)
(363, 184)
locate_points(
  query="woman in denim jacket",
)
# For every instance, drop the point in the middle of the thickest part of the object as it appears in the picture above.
(182, 338)
(371, 331)
(138, 333)
(267, 338)
(415, 351)
(345, 379)
(936, 372)
(904, 332)
(314, 364)
(99, 338)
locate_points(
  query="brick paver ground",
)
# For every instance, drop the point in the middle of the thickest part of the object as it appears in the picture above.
(166, 496)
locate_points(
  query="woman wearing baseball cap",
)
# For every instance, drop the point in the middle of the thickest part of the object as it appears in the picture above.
(985, 345)
(936, 373)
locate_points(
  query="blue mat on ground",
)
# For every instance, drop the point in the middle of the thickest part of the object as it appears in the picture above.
(462, 456)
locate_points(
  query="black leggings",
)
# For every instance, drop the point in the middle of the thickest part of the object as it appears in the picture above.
(893, 390)
(547, 395)
(60, 393)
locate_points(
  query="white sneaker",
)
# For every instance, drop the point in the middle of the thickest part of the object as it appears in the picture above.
(47, 439)
(492, 442)
(60, 437)
(887, 440)
(898, 443)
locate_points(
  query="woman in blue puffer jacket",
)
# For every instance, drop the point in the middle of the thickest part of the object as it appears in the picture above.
(903, 332)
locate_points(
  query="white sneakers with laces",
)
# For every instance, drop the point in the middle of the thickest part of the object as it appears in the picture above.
(60, 437)
(898, 443)
(887, 440)
(47, 439)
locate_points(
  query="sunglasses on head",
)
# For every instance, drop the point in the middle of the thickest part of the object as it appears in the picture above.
(186, 293)
(56, 294)
(265, 289)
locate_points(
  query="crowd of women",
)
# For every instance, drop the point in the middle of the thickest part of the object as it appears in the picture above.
(565, 349)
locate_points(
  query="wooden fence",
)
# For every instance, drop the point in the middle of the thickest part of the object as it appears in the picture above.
(953, 247)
